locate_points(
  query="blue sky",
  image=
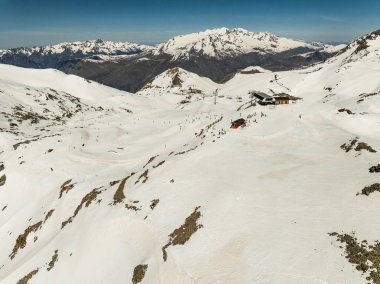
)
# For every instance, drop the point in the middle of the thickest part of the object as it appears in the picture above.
(38, 22)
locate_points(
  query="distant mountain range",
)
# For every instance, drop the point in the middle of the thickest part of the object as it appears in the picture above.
(217, 54)
(51, 56)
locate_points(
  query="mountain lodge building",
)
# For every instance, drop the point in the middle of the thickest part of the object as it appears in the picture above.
(238, 123)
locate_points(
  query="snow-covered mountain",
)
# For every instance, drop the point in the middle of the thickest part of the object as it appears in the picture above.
(51, 55)
(218, 43)
(89, 47)
(216, 54)
(180, 80)
(221, 43)
(102, 186)
(356, 50)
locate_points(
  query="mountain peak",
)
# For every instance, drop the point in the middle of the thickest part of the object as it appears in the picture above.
(224, 42)
(361, 46)
(178, 79)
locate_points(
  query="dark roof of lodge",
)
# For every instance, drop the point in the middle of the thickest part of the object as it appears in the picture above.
(261, 95)
(239, 121)
(282, 98)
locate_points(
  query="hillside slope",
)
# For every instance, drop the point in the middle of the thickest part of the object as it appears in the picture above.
(102, 186)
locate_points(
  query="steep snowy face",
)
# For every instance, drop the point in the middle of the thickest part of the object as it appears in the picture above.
(362, 48)
(225, 42)
(89, 47)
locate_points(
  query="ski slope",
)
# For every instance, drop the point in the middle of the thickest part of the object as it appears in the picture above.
(104, 186)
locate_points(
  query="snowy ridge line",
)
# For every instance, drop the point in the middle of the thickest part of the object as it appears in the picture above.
(219, 43)
(86, 47)
(231, 42)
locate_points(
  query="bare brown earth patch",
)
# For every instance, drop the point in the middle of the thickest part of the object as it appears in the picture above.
(363, 96)
(151, 159)
(53, 260)
(182, 102)
(49, 214)
(154, 203)
(143, 176)
(176, 81)
(132, 207)
(345, 110)
(203, 130)
(139, 273)
(182, 234)
(375, 169)
(3, 179)
(27, 277)
(86, 201)
(365, 257)
(370, 189)
(364, 146)
(119, 194)
(348, 146)
(21, 239)
(159, 164)
(112, 183)
(184, 152)
(66, 187)
(15, 146)
(20, 114)
(359, 146)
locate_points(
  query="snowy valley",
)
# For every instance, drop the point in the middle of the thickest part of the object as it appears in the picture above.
(98, 185)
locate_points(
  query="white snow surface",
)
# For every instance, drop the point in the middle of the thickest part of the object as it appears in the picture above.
(225, 42)
(268, 194)
(255, 68)
(164, 83)
(86, 47)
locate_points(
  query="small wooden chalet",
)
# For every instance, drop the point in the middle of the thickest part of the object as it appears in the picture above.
(265, 99)
(238, 123)
(281, 100)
